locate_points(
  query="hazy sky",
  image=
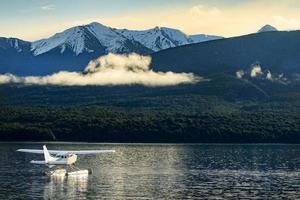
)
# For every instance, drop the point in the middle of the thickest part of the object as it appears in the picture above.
(35, 19)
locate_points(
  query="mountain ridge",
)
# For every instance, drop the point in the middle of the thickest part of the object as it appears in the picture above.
(276, 51)
(79, 39)
(117, 40)
(73, 48)
(113, 40)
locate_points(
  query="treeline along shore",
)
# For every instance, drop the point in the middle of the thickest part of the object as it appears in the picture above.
(117, 114)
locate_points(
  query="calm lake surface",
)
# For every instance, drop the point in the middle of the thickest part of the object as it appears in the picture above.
(145, 171)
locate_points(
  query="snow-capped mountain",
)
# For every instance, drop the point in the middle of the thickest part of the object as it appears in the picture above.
(158, 38)
(74, 48)
(97, 37)
(267, 28)
(73, 38)
(88, 38)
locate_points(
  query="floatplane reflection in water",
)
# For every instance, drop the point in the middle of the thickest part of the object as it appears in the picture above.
(58, 158)
(71, 187)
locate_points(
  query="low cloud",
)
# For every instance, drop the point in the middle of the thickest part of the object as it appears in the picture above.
(111, 69)
(239, 74)
(269, 76)
(256, 70)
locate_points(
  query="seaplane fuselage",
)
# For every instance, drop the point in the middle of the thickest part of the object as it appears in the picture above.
(57, 160)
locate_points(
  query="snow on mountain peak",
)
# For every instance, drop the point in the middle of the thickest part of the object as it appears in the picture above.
(107, 36)
(73, 38)
(79, 39)
(157, 38)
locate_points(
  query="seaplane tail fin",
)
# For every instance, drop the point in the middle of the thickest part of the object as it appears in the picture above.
(47, 154)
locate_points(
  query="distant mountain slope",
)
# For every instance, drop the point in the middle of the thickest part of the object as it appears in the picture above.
(158, 38)
(97, 37)
(275, 51)
(88, 39)
(13, 53)
(14, 44)
(73, 48)
(202, 38)
(256, 66)
(267, 28)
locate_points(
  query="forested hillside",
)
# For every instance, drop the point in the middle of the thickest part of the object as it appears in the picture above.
(139, 114)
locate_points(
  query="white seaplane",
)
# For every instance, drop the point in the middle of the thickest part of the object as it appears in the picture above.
(54, 158)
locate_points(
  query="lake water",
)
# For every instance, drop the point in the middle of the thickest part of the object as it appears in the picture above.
(140, 171)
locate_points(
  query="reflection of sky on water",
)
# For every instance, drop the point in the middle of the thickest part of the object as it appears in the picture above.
(143, 170)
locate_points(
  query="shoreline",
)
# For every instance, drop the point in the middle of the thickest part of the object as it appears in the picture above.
(140, 143)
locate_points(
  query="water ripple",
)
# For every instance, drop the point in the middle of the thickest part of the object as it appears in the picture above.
(159, 172)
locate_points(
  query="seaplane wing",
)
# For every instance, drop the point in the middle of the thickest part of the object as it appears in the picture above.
(66, 152)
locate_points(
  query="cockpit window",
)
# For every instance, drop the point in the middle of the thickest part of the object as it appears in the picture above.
(62, 156)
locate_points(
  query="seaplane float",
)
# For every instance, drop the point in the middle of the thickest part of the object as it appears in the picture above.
(62, 161)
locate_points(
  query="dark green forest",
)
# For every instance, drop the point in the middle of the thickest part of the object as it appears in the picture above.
(95, 123)
(202, 112)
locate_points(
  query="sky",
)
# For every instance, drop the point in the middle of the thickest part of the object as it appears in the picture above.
(35, 19)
